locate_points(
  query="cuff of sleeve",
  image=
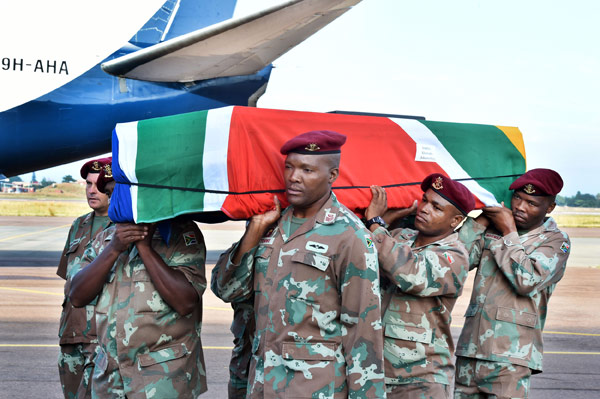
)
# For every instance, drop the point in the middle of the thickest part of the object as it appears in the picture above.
(380, 231)
(511, 239)
(476, 227)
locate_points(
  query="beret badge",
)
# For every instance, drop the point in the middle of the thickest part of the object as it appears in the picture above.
(96, 166)
(438, 183)
(312, 147)
(108, 171)
(529, 189)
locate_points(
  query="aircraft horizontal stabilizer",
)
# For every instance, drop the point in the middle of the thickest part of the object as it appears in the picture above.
(241, 46)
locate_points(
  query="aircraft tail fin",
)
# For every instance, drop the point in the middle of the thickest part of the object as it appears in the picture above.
(178, 17)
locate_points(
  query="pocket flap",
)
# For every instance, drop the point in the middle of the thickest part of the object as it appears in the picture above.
(408, 333)
(313, 259)
(320, 351)
(264, 252)
(163, 355)
(515, 316)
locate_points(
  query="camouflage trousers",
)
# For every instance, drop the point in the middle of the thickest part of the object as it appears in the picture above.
(494, 380)
(75, 368)
(418, 390)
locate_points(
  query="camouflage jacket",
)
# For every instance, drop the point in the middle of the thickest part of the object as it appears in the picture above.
(77, 325)
(317, 305)
(146, 348)
(422, 286)
(516, 274)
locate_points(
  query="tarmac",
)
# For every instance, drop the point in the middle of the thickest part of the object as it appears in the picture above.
(31, 296)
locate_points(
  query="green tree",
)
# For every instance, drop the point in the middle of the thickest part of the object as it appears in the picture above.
(68, 179)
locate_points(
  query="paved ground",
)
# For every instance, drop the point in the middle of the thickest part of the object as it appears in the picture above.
(31, 295)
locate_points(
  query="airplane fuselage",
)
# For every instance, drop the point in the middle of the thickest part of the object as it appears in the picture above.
(76, 120)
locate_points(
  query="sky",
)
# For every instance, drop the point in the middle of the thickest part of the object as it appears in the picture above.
(531, 64)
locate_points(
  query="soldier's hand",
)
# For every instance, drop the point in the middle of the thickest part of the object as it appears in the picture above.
(126, 234)
(501, 217)
(378, 204)
(147, 241)
(268, 218)
(393, 214)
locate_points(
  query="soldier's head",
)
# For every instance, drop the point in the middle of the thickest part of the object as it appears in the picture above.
(90, 171)
(311, 167)
(444, 205)
(534, 196)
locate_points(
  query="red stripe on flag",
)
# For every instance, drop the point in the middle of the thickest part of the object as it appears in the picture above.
(377, 152)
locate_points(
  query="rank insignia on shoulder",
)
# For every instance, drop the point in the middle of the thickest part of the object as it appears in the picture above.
(190, 238)
(564, 247)
(369, 242)
(448, 257)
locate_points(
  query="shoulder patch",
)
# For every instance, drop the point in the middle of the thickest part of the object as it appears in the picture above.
(369, 241)
(190, 238)
(565, 247)
(329, 217)
(448, 257)
(316, 247)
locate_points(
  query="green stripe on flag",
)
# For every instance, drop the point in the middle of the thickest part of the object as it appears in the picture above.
(482, 151)
(181, 138)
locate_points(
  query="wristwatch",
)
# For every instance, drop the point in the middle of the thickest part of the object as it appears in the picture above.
(378, 220)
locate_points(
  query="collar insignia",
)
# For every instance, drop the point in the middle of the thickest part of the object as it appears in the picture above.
(312, 147)
(437, 184)
(529, 189)
(96, 166)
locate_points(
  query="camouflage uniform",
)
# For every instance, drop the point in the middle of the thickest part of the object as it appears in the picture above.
(516, 274)
(146, 349)
(77, 328)
(242, 328)
(317, 305)
(420, 287)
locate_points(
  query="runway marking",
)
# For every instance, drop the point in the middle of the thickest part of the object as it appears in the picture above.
(33, 291)
(550, 332)
(34, 232)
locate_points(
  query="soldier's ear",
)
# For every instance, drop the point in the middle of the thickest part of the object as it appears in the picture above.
(333, 174)
(456, 219)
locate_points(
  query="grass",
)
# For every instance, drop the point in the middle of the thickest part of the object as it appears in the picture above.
(60, 191)
(43, 208)
(575, 220)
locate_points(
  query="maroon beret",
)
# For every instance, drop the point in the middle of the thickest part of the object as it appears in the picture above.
(315, 142)
(456, 193)
(538, 182)
(104, 177)
(94, 166)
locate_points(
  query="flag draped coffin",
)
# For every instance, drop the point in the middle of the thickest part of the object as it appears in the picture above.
(228, 160)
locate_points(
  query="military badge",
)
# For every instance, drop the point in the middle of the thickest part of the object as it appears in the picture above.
(312, 147)
(369, 242)
(329, 218)
(267, 240)
(190, 238)
(529, 189)
(438, 183)
(317, 247)
(449, 258)
(564, 247)
(96, 166)
(108, 171)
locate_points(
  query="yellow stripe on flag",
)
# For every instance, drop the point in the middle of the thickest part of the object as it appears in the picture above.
(516, 137)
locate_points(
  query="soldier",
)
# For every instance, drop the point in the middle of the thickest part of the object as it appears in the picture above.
(520, 256)
(77, 329)
(147, 288)
(313, 274)
(423, 272)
